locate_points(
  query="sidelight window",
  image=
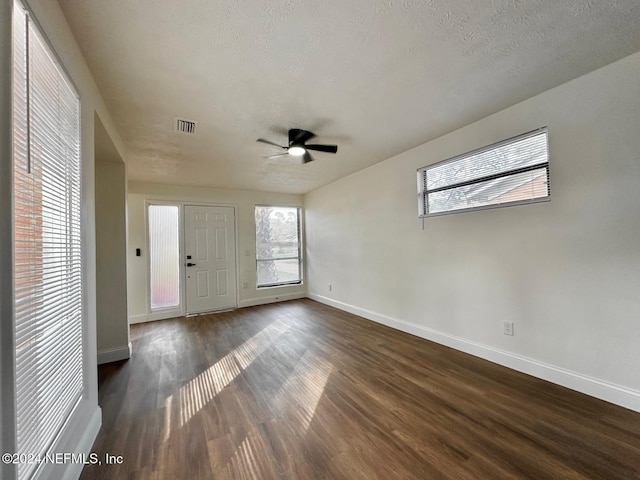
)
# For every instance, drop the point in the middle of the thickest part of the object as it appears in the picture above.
(164, 256)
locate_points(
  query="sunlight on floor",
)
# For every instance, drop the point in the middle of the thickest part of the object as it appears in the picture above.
(244, 463)
(297, 401)
(194, 395)
(168, 405)
(300, 394)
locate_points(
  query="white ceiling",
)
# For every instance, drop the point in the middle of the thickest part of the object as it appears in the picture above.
(376, 77)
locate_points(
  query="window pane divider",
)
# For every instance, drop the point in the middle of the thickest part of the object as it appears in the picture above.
(487, 178)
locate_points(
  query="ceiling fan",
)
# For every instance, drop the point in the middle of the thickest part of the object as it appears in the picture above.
(298, 147)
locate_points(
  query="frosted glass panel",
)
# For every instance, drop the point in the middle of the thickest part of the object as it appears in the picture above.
(164, 256)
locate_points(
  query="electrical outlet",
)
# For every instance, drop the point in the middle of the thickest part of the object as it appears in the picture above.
(245, 284)
(330, 287)
(508, 328)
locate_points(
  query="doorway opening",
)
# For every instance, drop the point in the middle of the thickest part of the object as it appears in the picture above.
(192, 259)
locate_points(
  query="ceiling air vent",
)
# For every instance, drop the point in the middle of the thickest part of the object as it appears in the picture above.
(185, 126)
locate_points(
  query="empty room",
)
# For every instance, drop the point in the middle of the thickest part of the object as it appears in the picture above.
(320, 240)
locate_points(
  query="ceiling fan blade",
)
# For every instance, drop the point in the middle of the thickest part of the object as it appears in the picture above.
(306, 158)
(277, 156)
(297, 136)
(270, 143)
(323, 148)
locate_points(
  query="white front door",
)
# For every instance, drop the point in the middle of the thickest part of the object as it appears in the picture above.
(210, 258)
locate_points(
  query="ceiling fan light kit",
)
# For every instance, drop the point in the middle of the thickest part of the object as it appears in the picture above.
(296, 150)
(298, 147)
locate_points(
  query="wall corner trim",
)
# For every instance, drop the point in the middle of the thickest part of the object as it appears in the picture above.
(114, 354)
(609, 392)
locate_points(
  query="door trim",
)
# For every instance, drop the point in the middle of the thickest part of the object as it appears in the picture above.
(181, 311)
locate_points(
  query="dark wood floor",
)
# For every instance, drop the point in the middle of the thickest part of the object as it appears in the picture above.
(299, 390)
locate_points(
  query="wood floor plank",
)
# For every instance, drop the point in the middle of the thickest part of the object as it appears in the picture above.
(298, 390)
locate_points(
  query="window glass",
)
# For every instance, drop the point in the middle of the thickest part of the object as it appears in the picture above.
(511, 172)
(278, 252)
(164, 256)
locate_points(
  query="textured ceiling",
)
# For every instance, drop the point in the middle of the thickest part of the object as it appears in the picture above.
(376, 77)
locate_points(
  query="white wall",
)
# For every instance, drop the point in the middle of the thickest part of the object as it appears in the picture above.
(79, 433)
(244, 201)
(566, 272)
(111, 266)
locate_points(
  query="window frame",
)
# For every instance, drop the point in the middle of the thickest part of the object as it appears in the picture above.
(180, 306)
(423, 192)
(74, 311)
(299, 257)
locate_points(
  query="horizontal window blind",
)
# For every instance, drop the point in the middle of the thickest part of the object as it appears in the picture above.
(47, 239)
(511, 172)
(278, 246)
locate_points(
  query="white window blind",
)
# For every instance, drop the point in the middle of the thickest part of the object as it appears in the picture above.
(164, 256)
(278, 246)
(47, 239)
(511, 172)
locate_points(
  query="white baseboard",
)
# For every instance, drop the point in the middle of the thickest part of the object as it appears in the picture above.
(249, 302)
(152, 317)
(252, 302)
(617, 394)
(114, 354)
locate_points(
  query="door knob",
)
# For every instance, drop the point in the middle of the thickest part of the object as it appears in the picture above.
(191, 264)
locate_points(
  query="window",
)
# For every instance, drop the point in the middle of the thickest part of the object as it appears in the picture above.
(278, 247)
(511, 172)
(164, 256)
(47, 242)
